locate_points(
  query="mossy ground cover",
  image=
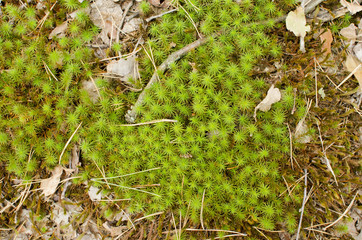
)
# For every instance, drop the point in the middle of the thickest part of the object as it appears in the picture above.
(216, 163)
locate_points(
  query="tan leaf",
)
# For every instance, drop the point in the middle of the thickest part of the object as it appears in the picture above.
(353, 65)
(301, 131)
(49, 185)
(59, 30)
(353, 7)
(326, 39)
(349, 32)
(296, 22)
(272, 97)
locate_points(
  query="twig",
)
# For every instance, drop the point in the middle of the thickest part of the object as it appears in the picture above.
(350, 75)
(214, 230)
(226, 236)
(151, 215)
(174, 224)
(131, 188)
(131, 114)
(329, 166)
(148, 170)
(70, 139)
(344, 213)
(202, 208)
(290, 146)
(316, 83)
(128, 7)
(303, 204)
(145, 123)
(160, 15)
(261, 233)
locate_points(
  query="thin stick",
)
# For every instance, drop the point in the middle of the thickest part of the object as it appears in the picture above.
(261, 233)
(214, 230)
(290, 146)
(48, 70)
(129, 219)
(131, 188)
(316, 83)
(192, 21)
(70, 139)
(160, 15)
(174, 224)
(151, 215)
(303, 204)
(344, 213)
(329, 166)
(112, 200)
(226, 236)
(131, 114)
(128, 7)
(121, 56)
(350, 75)
(202, 208)
(145, 123)
(129, 174)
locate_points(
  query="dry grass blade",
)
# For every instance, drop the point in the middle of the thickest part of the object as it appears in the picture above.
(151, 215)
(325, 155)
(145, 123)
(303, 204)
(214, 230)
(343, 214)
(67, 143)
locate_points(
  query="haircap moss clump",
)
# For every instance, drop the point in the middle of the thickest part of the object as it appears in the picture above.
(216, 150)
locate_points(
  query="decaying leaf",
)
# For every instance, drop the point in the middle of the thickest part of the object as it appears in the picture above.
(124, 68)
(301, 131)
(353, 65)
(93, 194)
(353, 7)
(49, 185)
(358, 51)
(326, 39)
(349, 32)
(296, 23)
(272, 97)
(59, 30)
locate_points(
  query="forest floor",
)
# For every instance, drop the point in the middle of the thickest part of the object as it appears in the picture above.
(331, 144)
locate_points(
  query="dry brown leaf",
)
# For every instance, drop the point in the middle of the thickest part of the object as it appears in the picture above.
(349, 32)
(326, 39)
(272, 97)
(352, 64)
(296, 23)
(301, 131)
(353, 7)
(49, 185)
(59, 30)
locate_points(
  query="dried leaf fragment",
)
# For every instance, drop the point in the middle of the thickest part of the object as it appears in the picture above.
(296, 23)
(353, 7)
(49, 185)
(349, 32)
(353, 65)
(301, 131)
(93, 194)
(326, 39)
(272, 97)
(59, 30)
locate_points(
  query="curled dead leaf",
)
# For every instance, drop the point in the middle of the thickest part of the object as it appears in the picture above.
(59, 30)
(326, 39)
(49, 185)
(354, 66)
(353, 6)
(272, 97)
